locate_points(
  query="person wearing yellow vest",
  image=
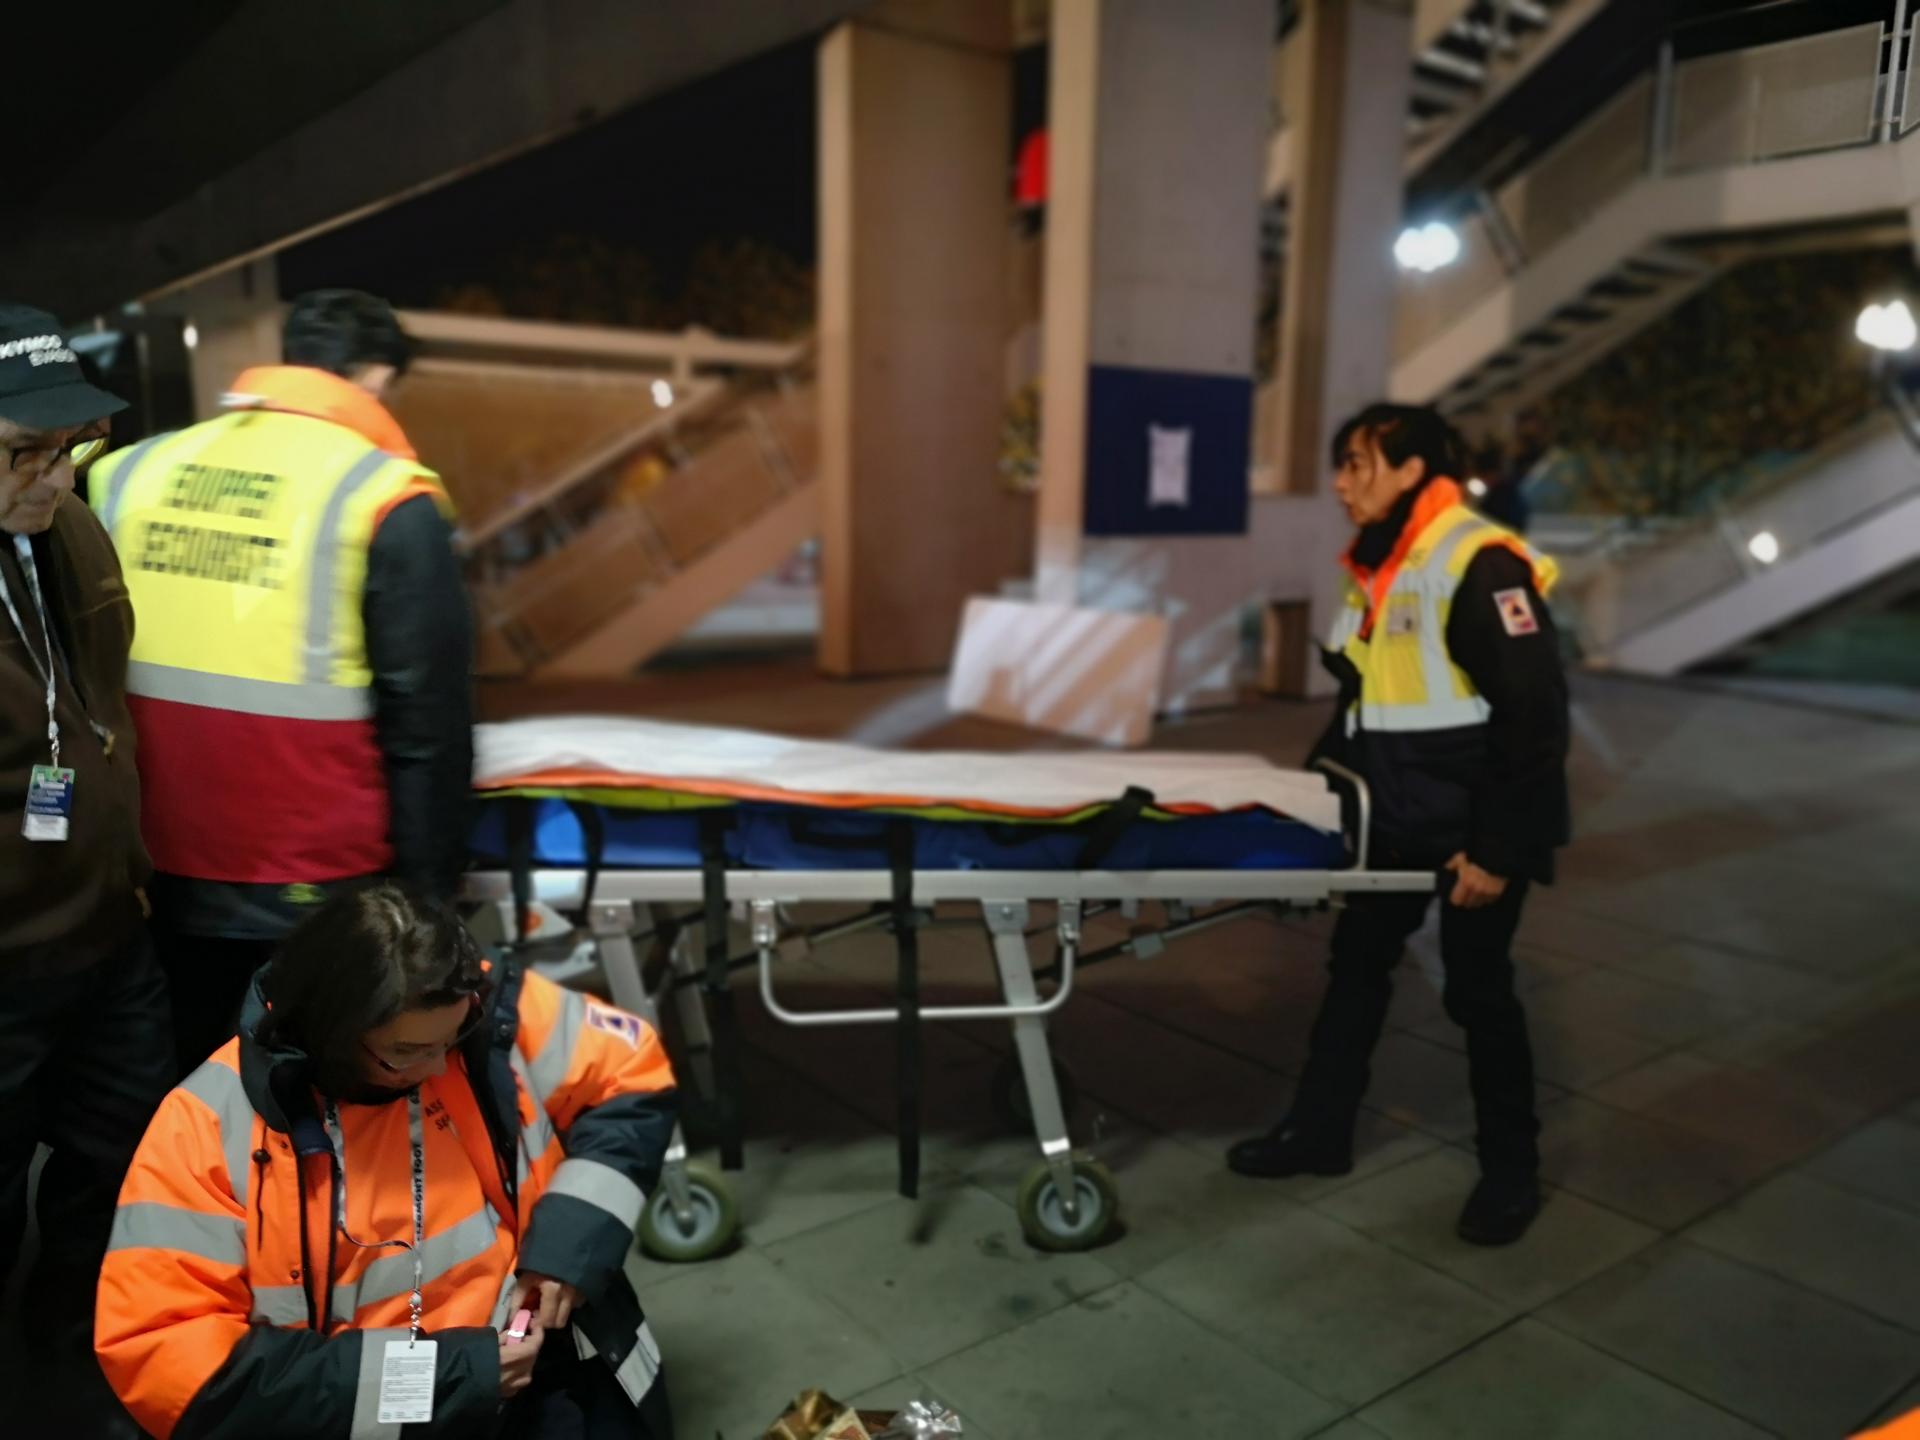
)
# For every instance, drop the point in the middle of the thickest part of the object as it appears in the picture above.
(300, 676)
(1453, 707)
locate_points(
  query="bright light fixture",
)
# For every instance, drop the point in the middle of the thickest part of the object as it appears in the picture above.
(662, 394)
(1428, 247)
(1887, 327)
(1765, 547)
(1477, 488)
(190, 335)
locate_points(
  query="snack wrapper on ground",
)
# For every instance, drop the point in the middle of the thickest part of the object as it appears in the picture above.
(922, 1420)
(816, 1415)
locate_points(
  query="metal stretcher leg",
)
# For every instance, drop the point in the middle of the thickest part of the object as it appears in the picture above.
(692, 1215)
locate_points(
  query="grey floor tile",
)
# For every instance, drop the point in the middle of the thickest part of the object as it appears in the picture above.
(740, 1339)
(1565, 1056)
(937, 1275)
(1657, 1173)
(1327, 1307)
(1118, 1365)
(1784, 1358)
(1881, 1160)
(1744, 980)
(1667, 1013)
(1413, 1208)
(1849, 1246)
(1760, 1110)
(1530, 1380)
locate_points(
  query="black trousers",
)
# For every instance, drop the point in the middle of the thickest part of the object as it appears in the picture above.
(1476, 953)
(575, 1399)
(85, 1059)
(207, 978)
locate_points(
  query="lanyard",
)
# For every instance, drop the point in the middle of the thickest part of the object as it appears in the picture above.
(416, 1133)
(24, 549)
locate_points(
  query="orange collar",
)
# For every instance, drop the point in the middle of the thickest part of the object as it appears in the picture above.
(302, 390)
(1428, 506)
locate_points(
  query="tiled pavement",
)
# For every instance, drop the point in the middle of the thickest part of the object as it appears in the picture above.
(1725, 991)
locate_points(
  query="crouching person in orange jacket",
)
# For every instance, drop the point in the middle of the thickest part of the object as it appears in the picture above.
(330, 1224)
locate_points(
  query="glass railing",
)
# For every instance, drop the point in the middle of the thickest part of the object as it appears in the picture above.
(1822, 92)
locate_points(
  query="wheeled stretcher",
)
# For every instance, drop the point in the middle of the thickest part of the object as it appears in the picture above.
(622, 834)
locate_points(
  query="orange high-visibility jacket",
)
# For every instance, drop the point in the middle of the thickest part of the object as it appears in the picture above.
(230, 1303)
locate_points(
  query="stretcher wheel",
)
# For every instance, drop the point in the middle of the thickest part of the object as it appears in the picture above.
(709, 1228)
(1045, 1219)
(1010, 1101)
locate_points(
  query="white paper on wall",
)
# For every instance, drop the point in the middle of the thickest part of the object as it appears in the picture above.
(1168, 474)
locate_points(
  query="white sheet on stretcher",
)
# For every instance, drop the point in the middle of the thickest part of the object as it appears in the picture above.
(1052, 781)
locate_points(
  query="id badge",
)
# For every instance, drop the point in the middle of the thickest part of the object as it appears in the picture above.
(406, 1382)
(49, 803)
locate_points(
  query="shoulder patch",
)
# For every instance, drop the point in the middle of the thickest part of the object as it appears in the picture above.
(614, 1022)
(1516, 612)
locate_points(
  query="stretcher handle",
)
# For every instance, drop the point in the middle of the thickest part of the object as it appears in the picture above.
(885, 1015)
(1363, 799)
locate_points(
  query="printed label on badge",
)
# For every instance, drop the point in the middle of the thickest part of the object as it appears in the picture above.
(1403, 620)
(1516, 612)
(49, 803)
(406, 1382)
(615, 1022)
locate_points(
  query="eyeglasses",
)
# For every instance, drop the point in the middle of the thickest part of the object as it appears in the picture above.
(80, 450)
(476, 1014)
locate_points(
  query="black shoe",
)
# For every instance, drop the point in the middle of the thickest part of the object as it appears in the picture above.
(1500, 1209)
(1285, 1151)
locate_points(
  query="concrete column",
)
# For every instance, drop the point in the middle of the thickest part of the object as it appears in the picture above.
(1345, 79)
(235, 318)
(914, 113)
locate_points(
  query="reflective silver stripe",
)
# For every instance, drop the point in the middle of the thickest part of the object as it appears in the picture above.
(248, 697)
(549, 1068)
(1434, 715)
(366, 1393)
(601, 1186)
(637, 1371)
(282, 1305)
(219, 1089)
(122, 473)
(536, 1135)
(150, 1225)
(318, 668)
(387, 1278)
(503, 1307)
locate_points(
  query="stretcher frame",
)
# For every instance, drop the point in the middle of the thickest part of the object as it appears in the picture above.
(626, 906)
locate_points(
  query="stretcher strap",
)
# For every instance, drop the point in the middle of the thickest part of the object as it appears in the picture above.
(727, 1078)
(1104, 833)
(593, 836)
(520, 866)
(907, 1039)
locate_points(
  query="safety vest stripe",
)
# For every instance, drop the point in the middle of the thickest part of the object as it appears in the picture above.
(388, 1277)
(219, 1088)
(326, 559)
(151, 1225)
(123, 472)
(365, 1424)
(537, 1134)
(272, 698)
(548, 1069)
(600, 1186)
(636, 1373)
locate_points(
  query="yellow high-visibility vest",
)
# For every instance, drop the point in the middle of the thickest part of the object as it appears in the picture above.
(244, 542)
(1408, 681)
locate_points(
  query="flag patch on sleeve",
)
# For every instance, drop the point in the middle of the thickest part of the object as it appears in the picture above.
(615, 1022)
(1516, 612)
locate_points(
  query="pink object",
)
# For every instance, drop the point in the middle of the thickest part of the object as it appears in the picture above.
(521, 1323)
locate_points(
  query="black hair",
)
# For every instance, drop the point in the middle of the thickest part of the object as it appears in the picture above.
(342, 331)
(1404, 432)
(364, 957)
